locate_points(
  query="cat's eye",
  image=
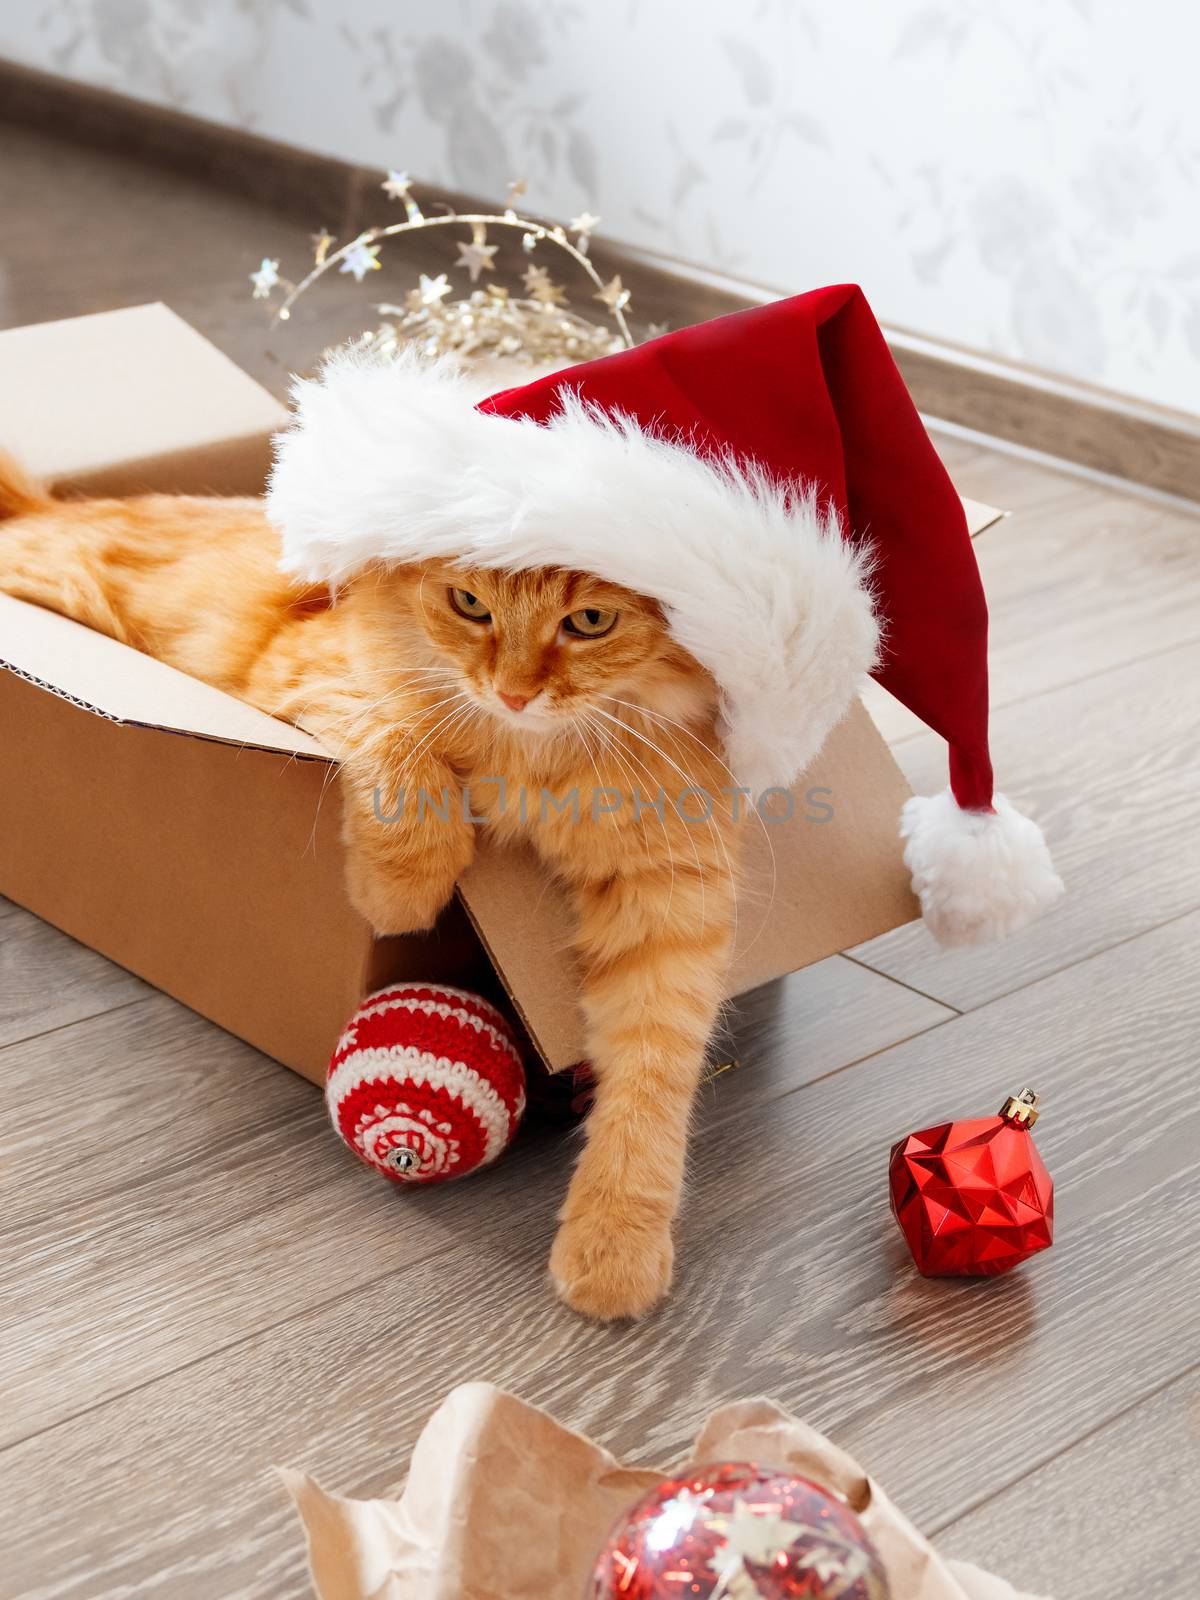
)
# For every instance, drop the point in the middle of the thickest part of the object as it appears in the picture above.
(590, 622)
(469, 605)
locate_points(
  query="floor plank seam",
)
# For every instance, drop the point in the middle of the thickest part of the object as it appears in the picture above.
(1050, 972)
(836, 1072)
(221, 1351)
(1064, 1450)
(997, 706)
(75, 1022)
(900, 984)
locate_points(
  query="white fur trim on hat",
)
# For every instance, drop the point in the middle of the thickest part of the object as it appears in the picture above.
(979, 875)
(391, 462)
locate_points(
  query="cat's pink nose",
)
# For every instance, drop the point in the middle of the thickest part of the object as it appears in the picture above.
(514, 702)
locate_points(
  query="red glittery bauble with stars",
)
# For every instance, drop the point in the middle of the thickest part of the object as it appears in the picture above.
(738, 1532)
(426, 1083)
(974, 1198)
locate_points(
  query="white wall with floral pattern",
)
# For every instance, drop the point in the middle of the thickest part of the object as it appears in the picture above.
(1018, 176)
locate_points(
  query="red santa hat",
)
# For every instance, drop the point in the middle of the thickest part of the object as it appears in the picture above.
(765, 477)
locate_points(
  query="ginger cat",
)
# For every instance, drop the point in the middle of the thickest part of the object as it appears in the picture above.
(440, 677)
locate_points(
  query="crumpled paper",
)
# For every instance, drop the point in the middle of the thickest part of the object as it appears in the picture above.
(503, 1503)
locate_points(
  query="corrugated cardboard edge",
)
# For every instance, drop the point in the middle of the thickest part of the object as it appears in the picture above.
(157, 727)
(34, 640)
(62, 694)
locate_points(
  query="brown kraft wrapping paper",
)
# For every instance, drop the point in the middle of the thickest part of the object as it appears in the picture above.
(504, 1503)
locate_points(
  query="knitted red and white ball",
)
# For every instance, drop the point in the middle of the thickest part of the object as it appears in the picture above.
(426, 1083)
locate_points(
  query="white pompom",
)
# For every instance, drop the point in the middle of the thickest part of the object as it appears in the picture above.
(979, 875)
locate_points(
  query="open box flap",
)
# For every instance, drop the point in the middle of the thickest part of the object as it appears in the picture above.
(179, 415)
(96, 672)
(980, 516)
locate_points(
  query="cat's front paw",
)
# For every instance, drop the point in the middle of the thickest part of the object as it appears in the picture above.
(610, 1265)
(395, 906)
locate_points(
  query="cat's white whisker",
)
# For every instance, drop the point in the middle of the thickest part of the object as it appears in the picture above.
(409, 757)
(347, 733)
(607, 741)
(581, 729)
(661, 718)
(687, 778)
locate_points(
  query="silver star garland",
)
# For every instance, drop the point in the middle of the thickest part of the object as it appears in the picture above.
(538, 327)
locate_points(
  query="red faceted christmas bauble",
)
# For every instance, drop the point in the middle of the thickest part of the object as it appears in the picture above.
(974, 1198)
(426, 1083)
(738, 1532)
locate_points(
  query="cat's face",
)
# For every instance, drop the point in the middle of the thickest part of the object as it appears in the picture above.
(537, 649)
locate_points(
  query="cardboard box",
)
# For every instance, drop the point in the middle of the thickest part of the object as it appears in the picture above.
(196, 841)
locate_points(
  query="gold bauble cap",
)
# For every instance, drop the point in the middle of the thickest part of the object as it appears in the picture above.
(1021, 1108)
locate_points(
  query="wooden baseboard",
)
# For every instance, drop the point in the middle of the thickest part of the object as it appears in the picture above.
(1075, 422)
(296, 182)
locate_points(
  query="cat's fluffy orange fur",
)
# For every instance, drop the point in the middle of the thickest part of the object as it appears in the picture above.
(408, 691)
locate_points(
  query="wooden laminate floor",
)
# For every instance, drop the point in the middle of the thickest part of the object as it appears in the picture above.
(196, 1281)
